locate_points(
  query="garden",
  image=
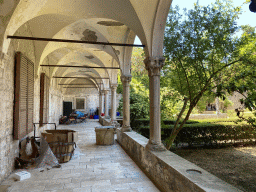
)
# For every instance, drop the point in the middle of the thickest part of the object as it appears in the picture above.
(206, 64)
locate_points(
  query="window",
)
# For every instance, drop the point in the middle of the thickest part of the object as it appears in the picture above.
(44, 99)
(23, 96)
(80, 104)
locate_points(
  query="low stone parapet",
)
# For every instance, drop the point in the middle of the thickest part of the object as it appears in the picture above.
(167, 170)
(105, 122)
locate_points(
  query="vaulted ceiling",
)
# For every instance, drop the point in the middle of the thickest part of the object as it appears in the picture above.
(113, 21)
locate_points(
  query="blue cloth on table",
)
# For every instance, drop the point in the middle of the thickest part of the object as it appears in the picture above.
(80, 114)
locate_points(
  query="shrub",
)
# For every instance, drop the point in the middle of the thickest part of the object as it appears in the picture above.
(208, 133)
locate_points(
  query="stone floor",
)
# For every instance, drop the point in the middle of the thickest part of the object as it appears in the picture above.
(99, 168)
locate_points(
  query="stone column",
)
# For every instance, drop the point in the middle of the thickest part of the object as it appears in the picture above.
(101, 103)
(113, 103)
(126, 79)
(154, 65)
(106, 103)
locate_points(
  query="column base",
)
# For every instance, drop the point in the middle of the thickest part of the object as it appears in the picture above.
(152, 146)
(115, 124)
(126, 129)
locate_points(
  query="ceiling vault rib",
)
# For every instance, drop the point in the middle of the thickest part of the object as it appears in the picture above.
(81, 77)
(81, 87)
(76, 84)
(75, 66)
(72, 41)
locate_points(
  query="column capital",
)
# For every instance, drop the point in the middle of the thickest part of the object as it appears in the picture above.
(101, 92)
(126, 78)
(154, 65)
(114, 86)
(106, 91)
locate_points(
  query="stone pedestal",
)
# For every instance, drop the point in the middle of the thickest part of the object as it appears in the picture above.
(126, 79)
(104, 135)
(154, 65)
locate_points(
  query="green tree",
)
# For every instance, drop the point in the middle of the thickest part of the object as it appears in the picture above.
(201, 53)
(139, 100)
(138, 70)
(244, 78)
(170, 101)
(139, 93)
(204, 101)
(248, 29)
(137, 60)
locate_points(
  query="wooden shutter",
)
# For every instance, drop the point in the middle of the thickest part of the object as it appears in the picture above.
(41, 115)
(30, 97)
(23, 96)
(44, 98)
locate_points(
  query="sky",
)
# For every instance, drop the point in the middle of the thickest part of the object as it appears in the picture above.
(245, 18)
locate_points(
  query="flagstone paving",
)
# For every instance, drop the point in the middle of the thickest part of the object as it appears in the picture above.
(99, 168)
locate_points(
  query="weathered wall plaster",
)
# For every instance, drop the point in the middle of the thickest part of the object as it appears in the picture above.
(9, 148)
(91, 99)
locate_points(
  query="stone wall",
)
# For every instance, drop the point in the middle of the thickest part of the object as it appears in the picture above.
(91, 100)
(9, 148)
(235, 98)
(56, 105)
(167, 170)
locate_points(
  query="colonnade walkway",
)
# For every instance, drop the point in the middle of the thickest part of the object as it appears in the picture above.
(99, 168)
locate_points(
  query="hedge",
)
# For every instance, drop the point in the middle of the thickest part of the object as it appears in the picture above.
(145, 122)
(207, 133)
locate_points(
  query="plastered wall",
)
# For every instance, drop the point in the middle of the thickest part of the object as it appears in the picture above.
(9, 148)
(91, 100)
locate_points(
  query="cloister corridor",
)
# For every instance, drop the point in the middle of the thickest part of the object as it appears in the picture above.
(99, 168)
(75, 53)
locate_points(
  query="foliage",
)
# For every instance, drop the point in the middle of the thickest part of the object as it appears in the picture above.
(139, 100)
(137, 60)
(137, 123)
(139, 92)
(205, 133)
(119, 89)
(243, 77)
(204, 101)
(170, 101)
(248, 29)
(138, 67)
(226, 103)
(202, 53)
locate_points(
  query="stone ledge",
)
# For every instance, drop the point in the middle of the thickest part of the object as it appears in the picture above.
(105, 122)
(167, 170)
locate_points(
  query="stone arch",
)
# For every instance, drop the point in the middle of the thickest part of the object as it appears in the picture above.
(92, 10)
(71, 57)
(159, 27)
